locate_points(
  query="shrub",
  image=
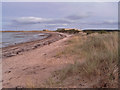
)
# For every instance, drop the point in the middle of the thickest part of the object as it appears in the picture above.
(71, 31)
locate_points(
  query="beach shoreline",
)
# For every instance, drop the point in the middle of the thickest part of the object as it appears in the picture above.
(19, 48)
(34, 64)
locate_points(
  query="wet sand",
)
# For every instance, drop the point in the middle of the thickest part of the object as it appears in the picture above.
(16, 49)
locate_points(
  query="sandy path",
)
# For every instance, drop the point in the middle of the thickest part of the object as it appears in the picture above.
(33, 66)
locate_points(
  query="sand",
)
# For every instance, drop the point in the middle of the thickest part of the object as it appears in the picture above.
(33, 67)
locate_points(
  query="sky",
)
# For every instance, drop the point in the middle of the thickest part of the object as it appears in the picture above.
(53, 15)
(60, 0)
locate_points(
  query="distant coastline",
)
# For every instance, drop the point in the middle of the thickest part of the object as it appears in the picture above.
(21, 31)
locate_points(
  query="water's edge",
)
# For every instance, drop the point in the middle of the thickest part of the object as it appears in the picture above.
(13, 38)
(22, 47)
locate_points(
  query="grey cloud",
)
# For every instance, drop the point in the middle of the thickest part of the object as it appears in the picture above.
(110, 22)
(77, 17)
(105, 22)
(60, 21)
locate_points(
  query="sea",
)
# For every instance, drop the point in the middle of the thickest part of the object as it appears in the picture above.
(12, 38)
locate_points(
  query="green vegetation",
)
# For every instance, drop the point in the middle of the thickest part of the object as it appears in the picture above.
(99, 31)
(90, 32)
(101, 59)
(70, 31)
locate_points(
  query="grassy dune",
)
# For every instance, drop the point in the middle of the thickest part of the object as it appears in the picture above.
(100, 52)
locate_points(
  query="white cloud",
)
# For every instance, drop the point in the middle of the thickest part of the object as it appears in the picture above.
(36, 20)
(31, 20)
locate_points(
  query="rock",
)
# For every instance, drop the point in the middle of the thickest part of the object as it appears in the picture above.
(8, 55)
(44, 54)
(38, 44)
(19, 87)
(1, 81)
(8, 72)
(35, 46)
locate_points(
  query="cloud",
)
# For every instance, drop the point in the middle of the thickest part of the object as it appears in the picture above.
(61, 21)
(110, 22)
(57, 24)
(104, 22)
(38, 20)
(77, 17)
(54, 23)
(30, 20)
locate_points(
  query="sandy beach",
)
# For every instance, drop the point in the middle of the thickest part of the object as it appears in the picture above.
(33, 65)
(60, 61)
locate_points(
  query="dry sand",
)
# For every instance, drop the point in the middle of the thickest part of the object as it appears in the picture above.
(33, 67)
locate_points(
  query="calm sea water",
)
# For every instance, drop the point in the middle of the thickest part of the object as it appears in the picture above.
(10, 38)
